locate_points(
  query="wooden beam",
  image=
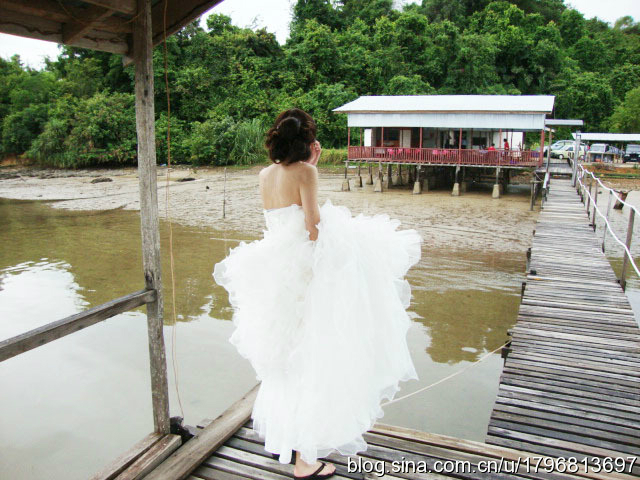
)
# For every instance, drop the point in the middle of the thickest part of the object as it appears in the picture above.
(75, 29)
(196, 450)
(51, 10)
(123, 461)
(145, 129)
(179, 14)
(54, 330)
(32, 26)
(122, 6)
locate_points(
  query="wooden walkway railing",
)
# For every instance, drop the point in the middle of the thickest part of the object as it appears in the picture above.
(444, 156)
(571, 382)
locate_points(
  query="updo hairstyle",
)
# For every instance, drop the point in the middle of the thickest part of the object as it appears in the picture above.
(289, 139)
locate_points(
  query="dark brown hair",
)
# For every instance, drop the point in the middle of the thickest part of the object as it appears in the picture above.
(289, 139)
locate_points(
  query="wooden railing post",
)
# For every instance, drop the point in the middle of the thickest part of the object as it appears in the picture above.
(589, 196)
(626, 259)
(576, 158)
(145, 128)
(595, 206)
(604, 233)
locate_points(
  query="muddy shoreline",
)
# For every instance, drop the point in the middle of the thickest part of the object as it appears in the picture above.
(472, 221)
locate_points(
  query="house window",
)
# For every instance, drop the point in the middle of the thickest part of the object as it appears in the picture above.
(391, 137)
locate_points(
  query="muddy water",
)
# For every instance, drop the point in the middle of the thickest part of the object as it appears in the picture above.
(73, 405)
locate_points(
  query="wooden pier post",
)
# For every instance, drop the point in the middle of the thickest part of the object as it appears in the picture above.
(370, 176)
(397, 178)
(145, 129)
(456, 186)
(625, 259)
(417, 185)
(345, 182)
(378, 186)
(496, 186)
(359, 177)
(387, 181)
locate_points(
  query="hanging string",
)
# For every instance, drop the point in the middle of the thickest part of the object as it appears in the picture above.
(455, 374)
(173, 280)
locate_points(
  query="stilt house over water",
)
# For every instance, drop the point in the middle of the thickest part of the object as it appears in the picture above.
(466, 130)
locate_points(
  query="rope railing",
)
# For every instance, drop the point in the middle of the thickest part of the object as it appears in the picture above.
(628, 257)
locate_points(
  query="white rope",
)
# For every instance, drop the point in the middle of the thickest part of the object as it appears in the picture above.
(595, 206)
(446, 378)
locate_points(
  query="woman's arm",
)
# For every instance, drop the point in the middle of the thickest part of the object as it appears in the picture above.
(309, 197)
(316, 151)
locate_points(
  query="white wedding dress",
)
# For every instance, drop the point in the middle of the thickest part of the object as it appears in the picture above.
(323, 324)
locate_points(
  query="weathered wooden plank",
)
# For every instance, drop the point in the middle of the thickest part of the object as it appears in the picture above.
(187, 458)
(562, 434)
(560, 425)
(123, 461)
(600, 394)
(52, 331)
(151, 458)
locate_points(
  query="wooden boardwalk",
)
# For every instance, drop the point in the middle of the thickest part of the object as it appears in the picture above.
(571, 382)
(243, 455)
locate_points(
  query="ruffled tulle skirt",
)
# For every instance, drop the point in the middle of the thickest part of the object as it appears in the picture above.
(323, 324)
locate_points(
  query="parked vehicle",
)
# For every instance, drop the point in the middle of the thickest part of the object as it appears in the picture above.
(631, 154)
(566, 152)
(557, 146)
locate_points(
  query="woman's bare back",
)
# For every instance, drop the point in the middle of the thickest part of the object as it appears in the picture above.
(280, 185)
(283, 185)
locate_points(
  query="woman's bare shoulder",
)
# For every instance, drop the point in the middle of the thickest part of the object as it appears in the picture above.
(307, 171)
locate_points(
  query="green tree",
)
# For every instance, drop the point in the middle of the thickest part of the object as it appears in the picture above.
(584, 95)
(626, 117)
(414, 85)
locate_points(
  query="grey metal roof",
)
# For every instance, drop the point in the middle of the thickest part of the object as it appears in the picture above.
(450, 103)
(559, 122)
(609, 137)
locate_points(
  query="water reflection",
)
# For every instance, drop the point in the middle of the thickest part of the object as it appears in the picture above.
(73, 405)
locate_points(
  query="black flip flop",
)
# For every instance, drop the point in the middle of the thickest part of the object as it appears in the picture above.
(316, 475)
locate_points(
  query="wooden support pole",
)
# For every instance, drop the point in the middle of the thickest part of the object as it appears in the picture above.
(625, 259)
(541, 147)
(145, 128)
(533, 193)
(421, 137)
(549, 149)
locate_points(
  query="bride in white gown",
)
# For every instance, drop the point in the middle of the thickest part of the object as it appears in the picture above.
(319, 309)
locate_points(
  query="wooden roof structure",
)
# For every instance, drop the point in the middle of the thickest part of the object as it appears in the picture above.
(105, 25)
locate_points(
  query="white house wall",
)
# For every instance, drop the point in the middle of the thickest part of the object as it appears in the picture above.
(511, 121)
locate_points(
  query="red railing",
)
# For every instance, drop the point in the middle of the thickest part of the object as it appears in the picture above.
(443, 156)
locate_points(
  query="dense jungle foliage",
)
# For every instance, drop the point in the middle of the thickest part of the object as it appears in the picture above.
(227, 83)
